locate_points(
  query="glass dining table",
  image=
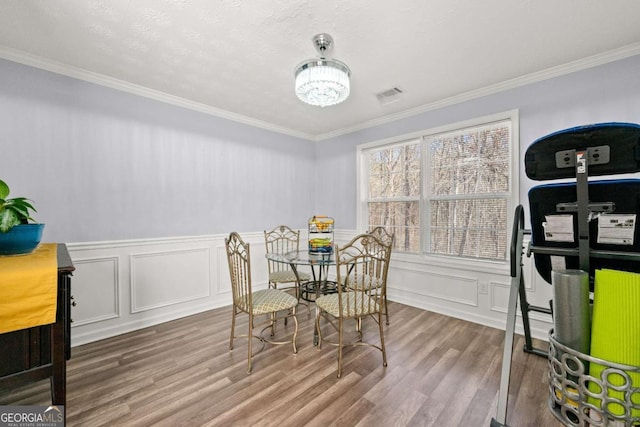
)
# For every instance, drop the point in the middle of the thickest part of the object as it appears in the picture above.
(319, 283)
(319, 263)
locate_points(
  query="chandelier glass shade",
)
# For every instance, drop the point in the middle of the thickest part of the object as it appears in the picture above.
(322, 81)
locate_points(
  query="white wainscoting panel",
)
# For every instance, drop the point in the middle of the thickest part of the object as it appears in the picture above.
(499, 297)
(447, 287)
(95, 290)
(537, 295)
(159, 279)
(122, 286)
(223, 284)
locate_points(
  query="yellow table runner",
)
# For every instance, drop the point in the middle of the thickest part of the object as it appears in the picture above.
(28, 288)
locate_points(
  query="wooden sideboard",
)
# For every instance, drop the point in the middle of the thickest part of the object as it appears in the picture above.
(42, 352)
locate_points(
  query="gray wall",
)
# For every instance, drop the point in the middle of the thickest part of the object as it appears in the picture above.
(106, 165)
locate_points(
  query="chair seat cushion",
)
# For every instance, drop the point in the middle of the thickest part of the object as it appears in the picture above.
(272, 300)
(366, 281)
(351, 301)
(286, 276)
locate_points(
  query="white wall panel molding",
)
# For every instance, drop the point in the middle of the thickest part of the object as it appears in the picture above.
(499, 297)
(445, 286)
(123, 274)
(165, 279)
(442, 306)
(539, 329)
(457, 289)
(156, 278)
(138, 243)
(97, 291)
(539, 322)
(223, 282)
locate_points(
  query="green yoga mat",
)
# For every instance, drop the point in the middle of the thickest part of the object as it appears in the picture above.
(615, 332)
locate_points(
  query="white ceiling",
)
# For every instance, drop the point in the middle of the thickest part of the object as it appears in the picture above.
(236, 58)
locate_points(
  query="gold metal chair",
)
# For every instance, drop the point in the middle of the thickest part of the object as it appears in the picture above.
(382, 234)
(362, 266)
(265, 302)
(387, 238)
(282, 240)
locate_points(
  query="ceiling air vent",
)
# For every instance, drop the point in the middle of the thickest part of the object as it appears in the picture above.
(390, 95)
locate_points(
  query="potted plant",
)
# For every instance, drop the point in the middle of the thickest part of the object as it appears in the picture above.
(17, 235)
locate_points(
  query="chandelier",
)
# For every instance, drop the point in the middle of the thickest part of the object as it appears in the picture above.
(322, 81)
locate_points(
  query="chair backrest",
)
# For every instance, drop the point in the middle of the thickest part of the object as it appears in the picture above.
(362, 266)
(383, 235)
(238, 256)
(281, 240)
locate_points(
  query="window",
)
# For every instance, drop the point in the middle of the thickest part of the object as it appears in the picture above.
(394, 193)
(448, 191)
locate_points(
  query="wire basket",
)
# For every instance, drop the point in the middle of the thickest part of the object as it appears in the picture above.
(579, 399)
(321, 234)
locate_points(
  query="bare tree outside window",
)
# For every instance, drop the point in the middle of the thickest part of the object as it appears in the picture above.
(445, 194)
(394, 193)
(469, 189)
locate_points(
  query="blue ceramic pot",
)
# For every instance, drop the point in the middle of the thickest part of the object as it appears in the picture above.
(21, 239)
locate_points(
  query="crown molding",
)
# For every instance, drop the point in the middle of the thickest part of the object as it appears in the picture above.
(549, 73)
(100, 79)
(113, 83)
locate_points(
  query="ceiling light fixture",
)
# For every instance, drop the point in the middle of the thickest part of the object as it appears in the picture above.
(322, 81)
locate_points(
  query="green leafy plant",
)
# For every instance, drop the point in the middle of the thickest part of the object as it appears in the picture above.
(13, 211)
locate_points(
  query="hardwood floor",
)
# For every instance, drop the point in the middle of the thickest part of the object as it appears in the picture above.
(442, 372)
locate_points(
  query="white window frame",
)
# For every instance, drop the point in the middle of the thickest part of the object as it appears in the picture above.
(428, 258)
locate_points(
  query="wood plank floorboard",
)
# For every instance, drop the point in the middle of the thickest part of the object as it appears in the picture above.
(441, 371)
